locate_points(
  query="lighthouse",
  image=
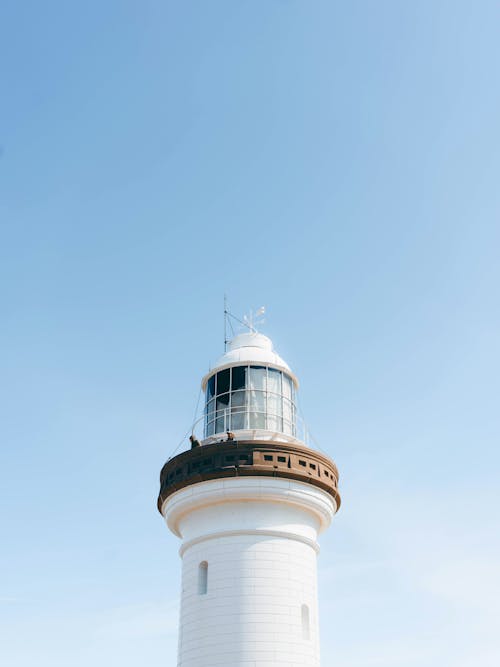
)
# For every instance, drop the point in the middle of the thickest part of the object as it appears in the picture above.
(248, 501)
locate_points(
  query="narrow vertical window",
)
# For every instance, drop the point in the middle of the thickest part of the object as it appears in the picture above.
(203, 578)
(306, 630)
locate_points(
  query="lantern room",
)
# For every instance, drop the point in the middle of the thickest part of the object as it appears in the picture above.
(250, 389)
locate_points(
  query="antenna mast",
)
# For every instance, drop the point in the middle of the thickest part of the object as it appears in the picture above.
(225, 322)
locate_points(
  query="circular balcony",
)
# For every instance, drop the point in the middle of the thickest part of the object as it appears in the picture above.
(254, 458)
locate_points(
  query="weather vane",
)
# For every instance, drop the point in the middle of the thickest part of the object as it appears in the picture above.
(249, 321)
(253, 319)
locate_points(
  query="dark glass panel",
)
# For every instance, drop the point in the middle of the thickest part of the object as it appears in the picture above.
(211, 388)
(239, 378)
(222, 413)
(222, 402)
(223, 381)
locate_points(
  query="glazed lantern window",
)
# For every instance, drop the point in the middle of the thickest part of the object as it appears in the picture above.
(250, 397)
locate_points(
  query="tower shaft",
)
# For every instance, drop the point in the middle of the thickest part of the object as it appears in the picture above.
(249, 583)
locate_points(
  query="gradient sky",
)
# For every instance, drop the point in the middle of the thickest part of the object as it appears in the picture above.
(337, 162)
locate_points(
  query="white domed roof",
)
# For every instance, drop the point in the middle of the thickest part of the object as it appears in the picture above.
(250, 348)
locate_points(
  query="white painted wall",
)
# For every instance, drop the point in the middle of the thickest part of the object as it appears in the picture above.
(258, 536)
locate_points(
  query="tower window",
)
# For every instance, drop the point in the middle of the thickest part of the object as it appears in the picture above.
(203, 578)
(306, 630)
(281, 459)
(268, 457)
(302, 463)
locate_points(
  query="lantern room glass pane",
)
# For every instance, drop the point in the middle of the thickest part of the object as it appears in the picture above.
(274, 405)
(287, 410)
(257, 420)
(222, 402)
(239, 378)
(238, 398)
(287, 386)
(274, 381)
(257, 378)
(257, 401)
(223, 381)
(221, 423)
(238, 418)
(274, 423)
(211, 388)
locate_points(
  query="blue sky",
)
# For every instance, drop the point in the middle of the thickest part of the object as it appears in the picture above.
(337, 162)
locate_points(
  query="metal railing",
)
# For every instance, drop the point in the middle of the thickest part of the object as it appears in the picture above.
(298, 432)
(251, 421)
(248, 418)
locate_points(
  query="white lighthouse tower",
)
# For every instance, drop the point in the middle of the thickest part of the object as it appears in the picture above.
(248, 503)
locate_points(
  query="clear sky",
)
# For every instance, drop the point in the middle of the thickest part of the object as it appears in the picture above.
(337, 162)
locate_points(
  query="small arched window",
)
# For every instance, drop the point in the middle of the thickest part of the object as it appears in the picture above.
(203, 578)
(306, 630)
